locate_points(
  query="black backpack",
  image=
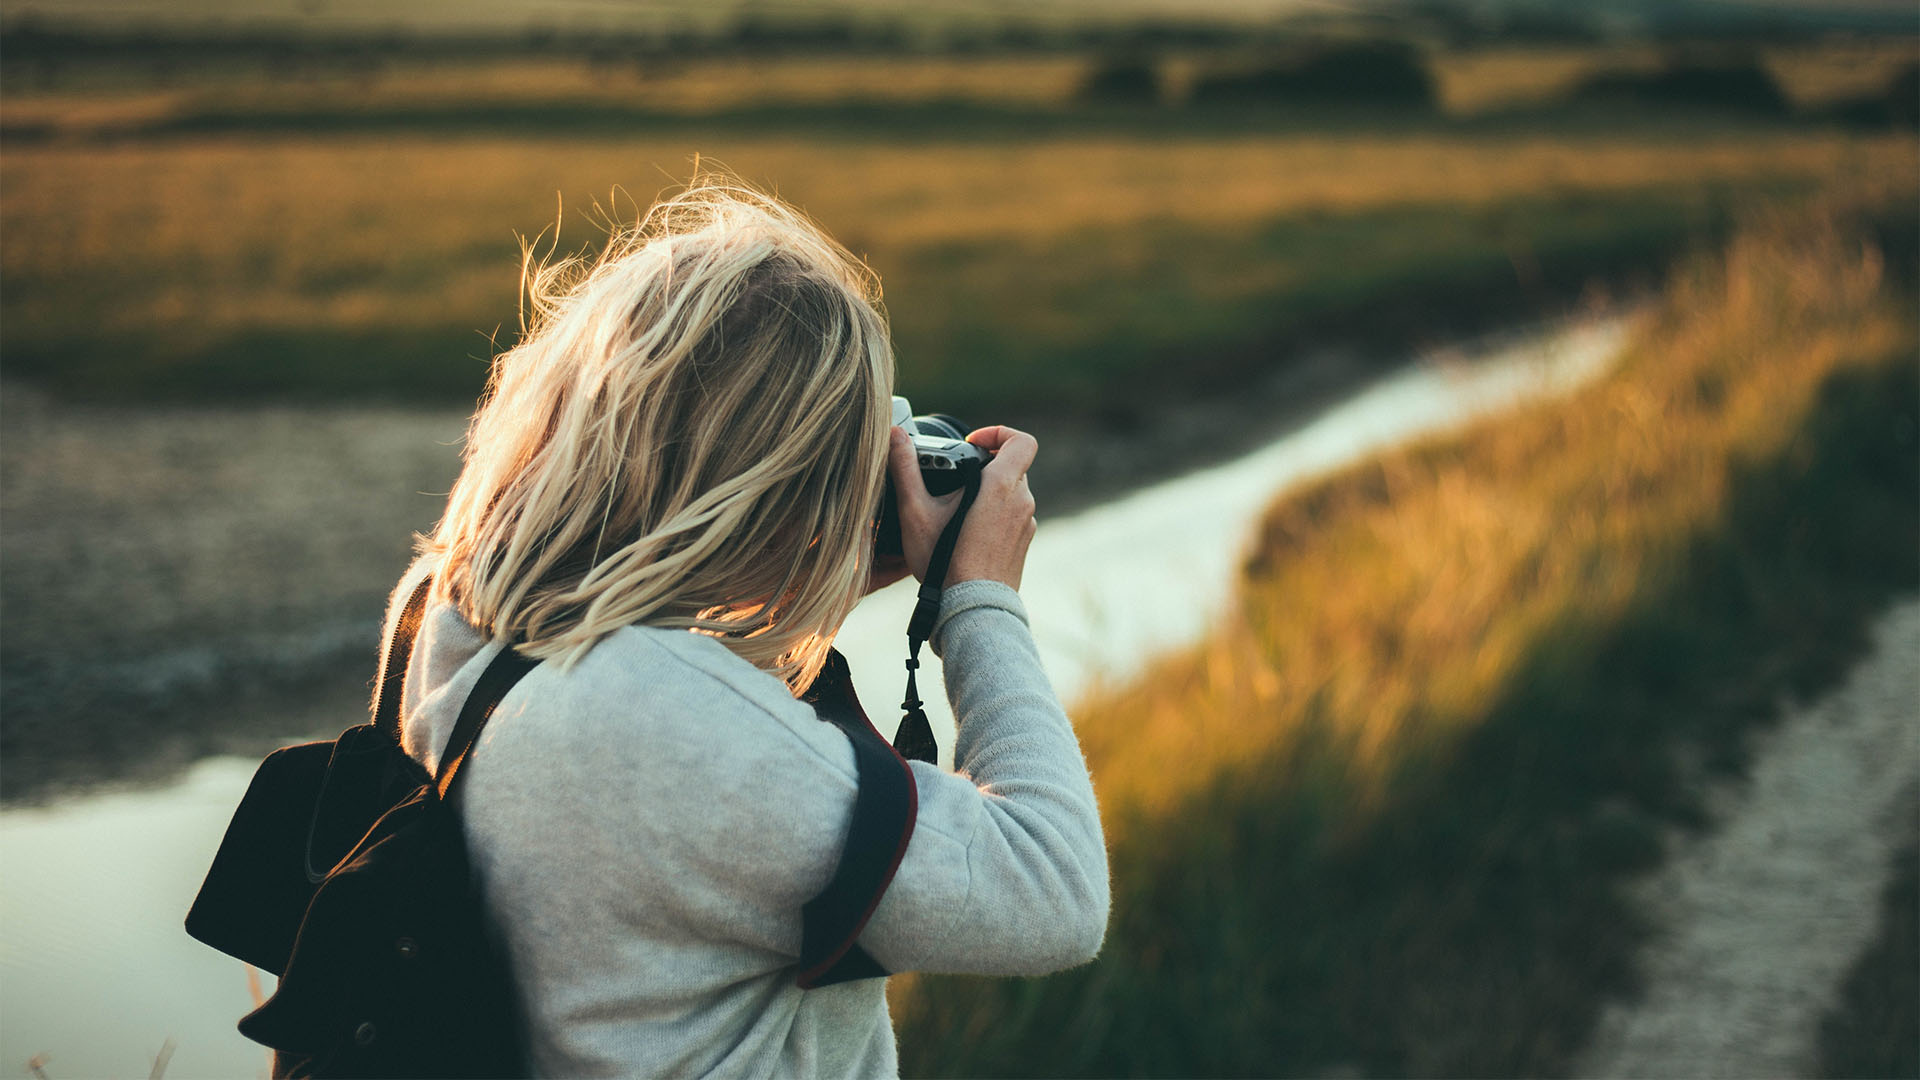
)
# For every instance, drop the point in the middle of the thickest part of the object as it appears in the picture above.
(345, 873)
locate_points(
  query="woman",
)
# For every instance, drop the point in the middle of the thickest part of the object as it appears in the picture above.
(669, 495)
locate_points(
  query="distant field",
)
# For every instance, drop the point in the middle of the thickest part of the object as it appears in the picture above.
(339, 229)
(1377, 825)
(81, 96)
(1078, 270)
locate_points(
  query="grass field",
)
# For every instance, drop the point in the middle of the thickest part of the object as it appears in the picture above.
(1049, 272)
(1378, 823)
(350, 232)
(80, 99)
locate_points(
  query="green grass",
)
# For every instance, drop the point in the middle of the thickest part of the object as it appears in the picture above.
(446, 364)
(1380, 822)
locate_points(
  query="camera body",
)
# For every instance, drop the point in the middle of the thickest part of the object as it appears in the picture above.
(940, 443)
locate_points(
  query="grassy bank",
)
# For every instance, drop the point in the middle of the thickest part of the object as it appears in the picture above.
(1378, 823)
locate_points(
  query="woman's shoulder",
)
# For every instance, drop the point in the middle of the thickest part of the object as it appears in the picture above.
(680, 688)
(677, 663)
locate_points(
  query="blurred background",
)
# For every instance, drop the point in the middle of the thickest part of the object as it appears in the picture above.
(1439, 783)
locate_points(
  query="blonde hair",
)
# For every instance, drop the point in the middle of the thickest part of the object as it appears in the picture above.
(691, 433)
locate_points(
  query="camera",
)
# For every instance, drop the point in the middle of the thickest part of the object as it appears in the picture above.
(940, 442)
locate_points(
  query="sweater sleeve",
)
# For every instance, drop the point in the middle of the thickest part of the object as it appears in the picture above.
(1006, 872)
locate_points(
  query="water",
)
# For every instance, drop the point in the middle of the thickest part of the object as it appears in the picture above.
(96, 973)
(95, 970)
(1110, 586)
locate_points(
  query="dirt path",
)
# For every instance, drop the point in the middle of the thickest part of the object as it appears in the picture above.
(1765, 912)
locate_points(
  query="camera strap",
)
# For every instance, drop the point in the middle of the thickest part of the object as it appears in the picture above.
(914, 740)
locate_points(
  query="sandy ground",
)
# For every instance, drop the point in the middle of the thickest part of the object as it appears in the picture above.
(1765, 912)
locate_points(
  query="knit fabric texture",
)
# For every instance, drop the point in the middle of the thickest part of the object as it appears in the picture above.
(646, 826)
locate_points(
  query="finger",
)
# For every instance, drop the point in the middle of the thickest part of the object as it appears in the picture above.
(993, 437)
(1013, 449)
(904, 468)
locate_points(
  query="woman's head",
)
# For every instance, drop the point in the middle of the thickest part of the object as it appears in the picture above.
(691, 433)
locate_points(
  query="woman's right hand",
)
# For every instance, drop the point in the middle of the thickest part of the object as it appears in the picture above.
(1000, 525)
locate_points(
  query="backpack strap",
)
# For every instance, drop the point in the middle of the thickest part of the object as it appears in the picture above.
(500, 676)
(388, 682)
(884, 811)
(392, 678)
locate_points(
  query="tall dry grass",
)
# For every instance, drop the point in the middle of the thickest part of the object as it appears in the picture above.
(1376, 824)
(1397, 602)
(194, 264)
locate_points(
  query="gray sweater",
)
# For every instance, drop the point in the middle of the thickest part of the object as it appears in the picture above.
(646, 827)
